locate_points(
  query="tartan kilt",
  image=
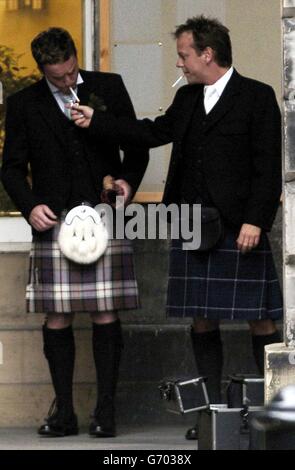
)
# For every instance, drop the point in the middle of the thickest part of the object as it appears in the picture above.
(223, 283)
(58, 285)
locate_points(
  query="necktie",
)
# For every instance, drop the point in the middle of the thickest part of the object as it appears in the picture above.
(67, 99)
(210, 98)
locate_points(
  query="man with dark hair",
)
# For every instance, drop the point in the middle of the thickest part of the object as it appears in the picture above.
(53, 46)
(226, 134)
(67, 168)
(208, 33)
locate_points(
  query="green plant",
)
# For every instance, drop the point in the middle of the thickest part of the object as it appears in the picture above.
(13, 79)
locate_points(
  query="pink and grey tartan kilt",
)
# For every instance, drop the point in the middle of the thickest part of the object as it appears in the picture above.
(58, 285)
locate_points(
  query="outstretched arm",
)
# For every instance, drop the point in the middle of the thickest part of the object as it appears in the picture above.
(127, 130)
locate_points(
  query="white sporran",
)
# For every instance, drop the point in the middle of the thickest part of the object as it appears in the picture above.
(83, 236)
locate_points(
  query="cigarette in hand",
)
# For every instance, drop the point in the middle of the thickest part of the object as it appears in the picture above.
(177, 81)
(74, 95)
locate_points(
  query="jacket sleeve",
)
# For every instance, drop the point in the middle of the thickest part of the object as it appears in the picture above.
(126, 129)
(266, 182)
(136, 158)
(14, 171)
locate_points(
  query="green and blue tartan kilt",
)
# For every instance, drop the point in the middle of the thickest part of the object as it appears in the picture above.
(58, 285)
(223, 283)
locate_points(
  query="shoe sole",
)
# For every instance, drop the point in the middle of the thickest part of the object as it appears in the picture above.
(57, 434)
(101, 434)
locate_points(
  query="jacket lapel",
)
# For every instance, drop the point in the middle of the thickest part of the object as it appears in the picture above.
(187, 111)
(83, 93)
(50, 110)
(88, 87)
(226, 101)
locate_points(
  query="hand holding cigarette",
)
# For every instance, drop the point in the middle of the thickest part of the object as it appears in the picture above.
(81, 115)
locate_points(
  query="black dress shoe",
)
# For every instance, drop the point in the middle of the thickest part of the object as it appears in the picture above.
(192, 434)
(59, 430)
(97, 430)
(103, 422)
(59, 423)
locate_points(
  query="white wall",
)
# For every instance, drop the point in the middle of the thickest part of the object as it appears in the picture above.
(189, 8)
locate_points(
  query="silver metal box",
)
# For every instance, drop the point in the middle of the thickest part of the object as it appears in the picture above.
(245, 390)
(219, 428)
(184, 395)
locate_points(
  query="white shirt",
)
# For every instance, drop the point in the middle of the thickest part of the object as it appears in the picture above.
(212, 93)
(57, 93)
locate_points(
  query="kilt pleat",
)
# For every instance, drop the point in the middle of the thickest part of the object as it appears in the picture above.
(223, 283)
(59, 285)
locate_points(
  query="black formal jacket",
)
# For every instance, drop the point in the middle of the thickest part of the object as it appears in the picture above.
(35, 138)
(242, 147)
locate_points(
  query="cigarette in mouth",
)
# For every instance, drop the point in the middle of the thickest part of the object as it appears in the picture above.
(177, 81)
(74, 95)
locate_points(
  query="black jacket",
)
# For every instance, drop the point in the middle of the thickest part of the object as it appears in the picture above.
(35, 138)
(242, 147)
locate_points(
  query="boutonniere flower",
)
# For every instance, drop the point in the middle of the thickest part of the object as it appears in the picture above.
(96, 102)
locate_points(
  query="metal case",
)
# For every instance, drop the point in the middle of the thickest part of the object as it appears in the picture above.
(219, 428)
(184, 395)
(245, 390)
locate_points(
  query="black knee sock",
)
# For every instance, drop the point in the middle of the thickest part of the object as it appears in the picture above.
(107, 344)
(59, 350)
(258, 343)
(209, 359)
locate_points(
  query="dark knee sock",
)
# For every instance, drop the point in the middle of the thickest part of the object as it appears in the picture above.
(209, 359)
(258, 343)
(59, 350)
(107, 344)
